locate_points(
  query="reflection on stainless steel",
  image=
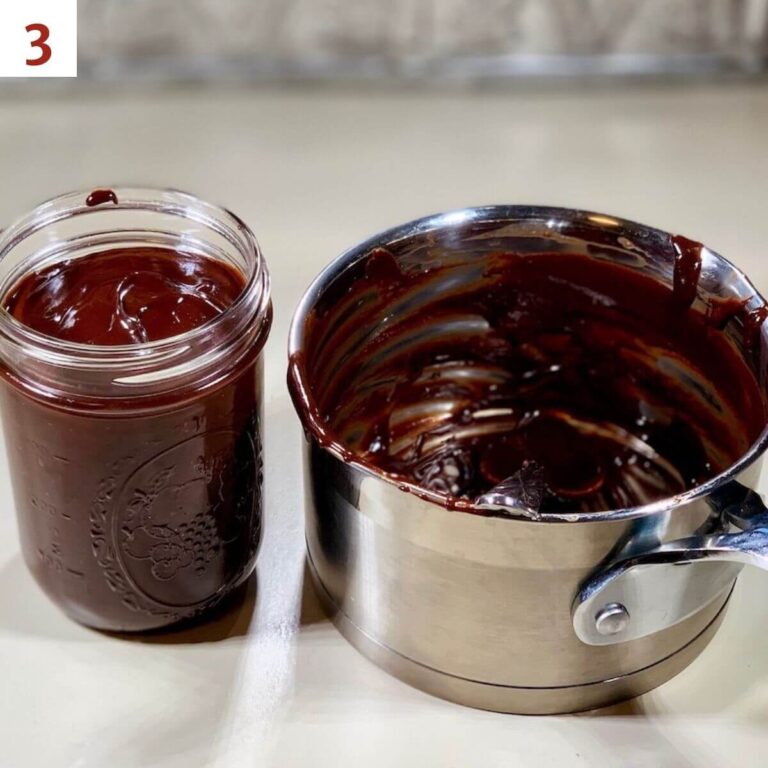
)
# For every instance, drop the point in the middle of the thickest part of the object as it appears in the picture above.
(522, 492)
(654, 587)
(479, 608)
(612, 619)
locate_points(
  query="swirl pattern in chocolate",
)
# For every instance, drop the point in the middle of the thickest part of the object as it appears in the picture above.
(124, 295)
(461, 373)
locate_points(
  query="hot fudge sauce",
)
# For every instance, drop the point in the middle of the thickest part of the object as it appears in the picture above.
(124, 296)
(576, 380)
(131, 396)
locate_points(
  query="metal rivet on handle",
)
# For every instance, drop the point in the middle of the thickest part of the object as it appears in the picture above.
(612, 619)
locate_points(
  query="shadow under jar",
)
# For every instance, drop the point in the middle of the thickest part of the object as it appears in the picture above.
(521, 422)
(136, 460)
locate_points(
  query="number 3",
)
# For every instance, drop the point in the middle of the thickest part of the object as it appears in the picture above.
(41, 43)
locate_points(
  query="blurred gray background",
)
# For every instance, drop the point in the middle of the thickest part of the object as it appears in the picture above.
(418, 39)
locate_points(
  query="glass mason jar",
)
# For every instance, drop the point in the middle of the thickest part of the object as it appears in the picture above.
(136, 469)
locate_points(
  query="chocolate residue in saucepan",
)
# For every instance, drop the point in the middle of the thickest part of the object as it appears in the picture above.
(687, 271)
(722, 310)
(455, 375)
(753, 325)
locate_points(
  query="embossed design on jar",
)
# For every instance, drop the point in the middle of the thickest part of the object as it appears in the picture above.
(185, 521)
(52, 557)
(104, 550)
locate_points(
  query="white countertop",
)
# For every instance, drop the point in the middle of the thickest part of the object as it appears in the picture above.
(272, 683)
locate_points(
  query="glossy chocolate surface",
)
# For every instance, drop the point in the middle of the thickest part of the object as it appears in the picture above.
(124, 295)
(576, 380)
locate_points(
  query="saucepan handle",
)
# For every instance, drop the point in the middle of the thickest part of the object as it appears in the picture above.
(646, 590)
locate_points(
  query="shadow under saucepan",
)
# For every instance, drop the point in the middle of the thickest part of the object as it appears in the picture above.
(730, 677)
(717, 683)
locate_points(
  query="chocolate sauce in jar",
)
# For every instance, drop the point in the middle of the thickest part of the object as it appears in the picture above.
(455, 376)
(124, 295)
(136, 469)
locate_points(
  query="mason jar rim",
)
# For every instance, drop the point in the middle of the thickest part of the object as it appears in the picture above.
(253, 300)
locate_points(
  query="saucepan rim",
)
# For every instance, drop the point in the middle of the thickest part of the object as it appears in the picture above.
(550, 217)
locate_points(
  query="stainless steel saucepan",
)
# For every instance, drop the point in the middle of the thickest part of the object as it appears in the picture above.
(500, 610)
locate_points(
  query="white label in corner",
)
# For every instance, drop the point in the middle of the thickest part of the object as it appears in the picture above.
(38, 38)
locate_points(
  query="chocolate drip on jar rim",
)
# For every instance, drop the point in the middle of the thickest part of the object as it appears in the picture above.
(100, 197)
(556, 354)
